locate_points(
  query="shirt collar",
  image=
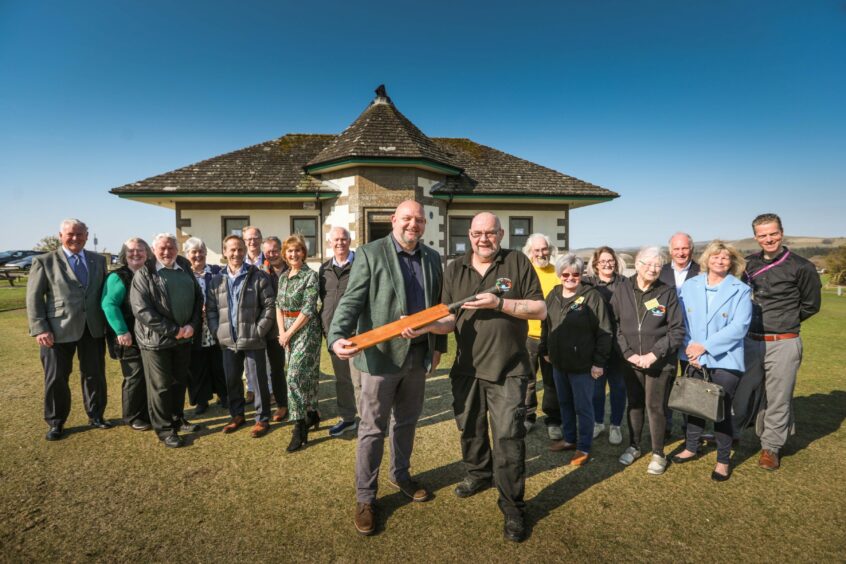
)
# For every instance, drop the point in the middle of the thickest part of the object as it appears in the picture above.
(69, 254)
(160, 266)
(244, 268)
(350, 258)
(401, 250)
(685, 269)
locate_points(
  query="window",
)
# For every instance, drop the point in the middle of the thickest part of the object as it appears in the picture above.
(233, 225)
(519, 229)
(307, 227)
(459, 241)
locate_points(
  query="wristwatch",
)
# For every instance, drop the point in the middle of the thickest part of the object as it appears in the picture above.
(500, 304)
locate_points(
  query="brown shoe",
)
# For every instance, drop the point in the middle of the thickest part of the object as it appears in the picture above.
(768, 460)
(411, 489)
(580, 458)
(233, 425)
(280, 415)
(562, 445)
(259, 429)
(365, 518)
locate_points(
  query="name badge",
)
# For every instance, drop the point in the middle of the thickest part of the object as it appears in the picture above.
(651, 304)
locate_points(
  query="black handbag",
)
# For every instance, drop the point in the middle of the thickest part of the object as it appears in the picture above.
(695, 394)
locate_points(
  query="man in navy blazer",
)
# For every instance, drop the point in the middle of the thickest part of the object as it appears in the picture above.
(65, 317)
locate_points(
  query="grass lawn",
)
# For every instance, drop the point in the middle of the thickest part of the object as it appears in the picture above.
(119, 496)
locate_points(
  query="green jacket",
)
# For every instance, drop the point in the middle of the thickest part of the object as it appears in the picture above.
(375, 295)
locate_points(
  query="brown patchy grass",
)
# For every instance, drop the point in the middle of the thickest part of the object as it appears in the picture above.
(118, 496)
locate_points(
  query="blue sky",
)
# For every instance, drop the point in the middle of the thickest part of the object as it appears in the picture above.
(700, 114)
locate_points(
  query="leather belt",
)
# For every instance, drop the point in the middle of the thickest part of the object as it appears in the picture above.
(290, 313)
(773, 336)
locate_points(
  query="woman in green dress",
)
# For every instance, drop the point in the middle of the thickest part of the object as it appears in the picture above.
(300, 334)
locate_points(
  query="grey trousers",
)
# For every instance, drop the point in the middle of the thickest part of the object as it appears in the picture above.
(380, 393)
(167, 379)
(777, 362)
(550, 406)
(476, 403)
(347, 387)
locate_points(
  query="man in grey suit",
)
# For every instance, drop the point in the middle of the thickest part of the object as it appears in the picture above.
(63, 307)
(390, 278)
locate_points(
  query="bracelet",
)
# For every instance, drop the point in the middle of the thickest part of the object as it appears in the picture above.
(500, 304)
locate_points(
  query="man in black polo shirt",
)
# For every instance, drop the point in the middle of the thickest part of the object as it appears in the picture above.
(492, 369)
(785, 292)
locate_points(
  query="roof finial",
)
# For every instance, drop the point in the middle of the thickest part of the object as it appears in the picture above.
(381, 95)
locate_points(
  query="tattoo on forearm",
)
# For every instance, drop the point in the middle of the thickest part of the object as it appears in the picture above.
(521, 307)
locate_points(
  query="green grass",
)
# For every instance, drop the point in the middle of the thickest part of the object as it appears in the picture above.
(12, 297)
(119, 496)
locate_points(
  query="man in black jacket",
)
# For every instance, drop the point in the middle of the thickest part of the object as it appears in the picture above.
(240, 313)
(167, 303)
(334, 275)
(785, 292)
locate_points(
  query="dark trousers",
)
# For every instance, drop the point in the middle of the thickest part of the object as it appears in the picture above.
(549, 406)
(649, 390)
(723, 432)
(474, 401)
(613, 377)
(206, 368)
(276, 368)
(167, 378)
(575, 395)
(256, 364)
(134, 390)
(58, 364)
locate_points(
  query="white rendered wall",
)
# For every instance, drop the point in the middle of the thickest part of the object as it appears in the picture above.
(545, 222)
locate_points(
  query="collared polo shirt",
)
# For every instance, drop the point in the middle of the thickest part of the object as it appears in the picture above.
(491, 344)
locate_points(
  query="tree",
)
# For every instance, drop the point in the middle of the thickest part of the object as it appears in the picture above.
(836, 263)
(48, 243)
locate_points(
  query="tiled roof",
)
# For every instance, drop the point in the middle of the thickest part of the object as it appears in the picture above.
(272, 166)
(488, 171)
(381, 131)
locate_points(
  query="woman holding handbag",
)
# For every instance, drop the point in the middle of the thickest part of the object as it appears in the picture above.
(717, 311)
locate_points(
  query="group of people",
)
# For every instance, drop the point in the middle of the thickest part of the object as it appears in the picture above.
(178, 325)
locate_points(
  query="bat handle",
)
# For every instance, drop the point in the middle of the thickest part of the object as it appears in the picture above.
(454, 307)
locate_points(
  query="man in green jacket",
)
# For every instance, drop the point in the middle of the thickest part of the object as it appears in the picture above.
(391, 277)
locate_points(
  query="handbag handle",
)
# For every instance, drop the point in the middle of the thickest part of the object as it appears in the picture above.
(692, 372)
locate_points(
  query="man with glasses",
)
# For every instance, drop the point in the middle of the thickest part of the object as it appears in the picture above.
(492, 370)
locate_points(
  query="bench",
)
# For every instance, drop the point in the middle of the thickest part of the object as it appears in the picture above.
(10, 276)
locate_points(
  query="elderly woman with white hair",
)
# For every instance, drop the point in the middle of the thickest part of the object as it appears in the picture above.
(650, 329)
(576, 339)
(167, 304)
(119, 328)
(206, 374)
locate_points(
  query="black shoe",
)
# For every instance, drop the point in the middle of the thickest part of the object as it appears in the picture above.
(678, 460)
(141, 425)
(201, 408)
(514, 529)
(56, 432)
(186, 426)
(100, 423)
(717, 477)
(299, 436)
(312, 420)
(469, 487)
(173, 441)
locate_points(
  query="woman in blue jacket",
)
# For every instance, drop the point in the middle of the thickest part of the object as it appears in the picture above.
(717, 310)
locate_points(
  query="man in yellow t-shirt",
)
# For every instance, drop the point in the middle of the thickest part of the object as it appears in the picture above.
(542, 252)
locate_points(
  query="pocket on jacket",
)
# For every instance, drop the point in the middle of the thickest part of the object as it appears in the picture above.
(56, 309)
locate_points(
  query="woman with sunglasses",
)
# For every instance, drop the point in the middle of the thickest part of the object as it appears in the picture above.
(650, 329)
(576, 339)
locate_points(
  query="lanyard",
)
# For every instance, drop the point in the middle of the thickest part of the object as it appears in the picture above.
(769, 266)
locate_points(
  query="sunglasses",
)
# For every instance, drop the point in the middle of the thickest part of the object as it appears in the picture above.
(566, 275)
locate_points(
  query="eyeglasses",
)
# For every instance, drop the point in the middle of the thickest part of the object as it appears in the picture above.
(606, 262)
(487, 234)
(566, 275)
(650, 266)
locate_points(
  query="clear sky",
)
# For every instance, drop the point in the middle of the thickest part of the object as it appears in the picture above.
(700, 114)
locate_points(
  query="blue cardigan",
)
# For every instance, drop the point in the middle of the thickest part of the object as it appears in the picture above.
(721, 326)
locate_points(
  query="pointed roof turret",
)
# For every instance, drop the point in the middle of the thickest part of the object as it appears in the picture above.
(382, 136)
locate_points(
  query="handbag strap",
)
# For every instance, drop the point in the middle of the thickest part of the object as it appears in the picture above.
(692, 372)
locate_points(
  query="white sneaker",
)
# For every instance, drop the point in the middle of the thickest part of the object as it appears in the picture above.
(615, 435)
(554, 432)
(657, 465)
(597, 429)
(629, 455)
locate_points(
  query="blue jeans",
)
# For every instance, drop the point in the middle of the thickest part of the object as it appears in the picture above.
(614, 378)
(575, 398)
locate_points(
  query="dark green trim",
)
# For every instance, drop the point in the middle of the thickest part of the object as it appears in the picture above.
(240, 195)
(383, 161)
(454, 197)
